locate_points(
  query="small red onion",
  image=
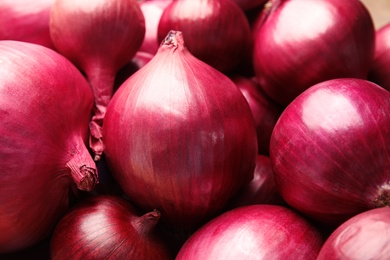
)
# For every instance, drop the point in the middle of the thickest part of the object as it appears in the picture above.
(180, 137)
(26, 20)
(45, 107)
(99, 37)
(254, 232)
(330, 150)
(303, 42)
(380, 67)
(108, 227)
(215, 31)
(264, 110)
(364, 236)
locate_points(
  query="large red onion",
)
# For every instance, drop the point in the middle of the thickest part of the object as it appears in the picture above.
(254, 232)
(99, 37)
(364, 236)
(330, 150)
(209, 30)
(108, 227)
(380, 67)
(180, 137)
(45, 107)
(265, 111)
(304, 42)
(26, 20)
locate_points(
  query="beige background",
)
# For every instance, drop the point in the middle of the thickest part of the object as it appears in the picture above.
(380, 11)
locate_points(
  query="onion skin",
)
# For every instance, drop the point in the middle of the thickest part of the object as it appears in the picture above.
(322, 40)
(99, 37)
(379, 70)
(209, 31)
(330, 150)
(26, 20)
(180, 137)
(364, 236)
(254, 232)
(45, 107)
(108, 227)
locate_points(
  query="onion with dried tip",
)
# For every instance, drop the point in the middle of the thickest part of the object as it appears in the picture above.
(45, 107)
(302, 42)
(330, 150)
(254, 232)
(99, 37)
(180, 137)
(108, 227)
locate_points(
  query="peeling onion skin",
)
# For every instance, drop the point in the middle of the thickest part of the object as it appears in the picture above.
(254, 232)
(108, 227)
(99, 37)
(303, 42)
(180, 137)
(330, 150)
(209, 31)
(26, 20)
(45, 107)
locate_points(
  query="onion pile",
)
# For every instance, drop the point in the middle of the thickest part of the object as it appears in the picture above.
(45, 107)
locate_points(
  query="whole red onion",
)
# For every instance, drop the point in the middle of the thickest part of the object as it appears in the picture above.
(108, 227)
(380, 67)
(45, 107)
(26, 20)
(254, 232)
(180, 137)
(99, 37)
(215, 31)
(364, 236)
(330, 150)
(265, 111)
(303, 42)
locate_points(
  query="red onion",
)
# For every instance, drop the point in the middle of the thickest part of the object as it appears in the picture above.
(380, 67)
(209, 30)
(99, 37)
(364, 236)
(304, 42)
(108, 227)
(26, 20)
(45, 106)
(264, 110)
(152, 11)
(330, 150)
(180, 137)
(254, 232)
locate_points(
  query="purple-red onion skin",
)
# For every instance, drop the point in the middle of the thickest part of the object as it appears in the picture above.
(254, 232)
(45, 107)
(180, 137)
(26, 20)
(330, 150)
(364, 236)
(210, 32)
(265, 111)
(380, 67)
(304, 42)
(108, 227)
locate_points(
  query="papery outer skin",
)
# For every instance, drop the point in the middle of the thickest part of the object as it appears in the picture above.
(45, 107)
(99, 37)
(330, 149)
(254, 232)
(107, 227)
(379, 69)
(304, 42)
(26, 20)
(364, 236)
(180, 138)
(209, 31)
